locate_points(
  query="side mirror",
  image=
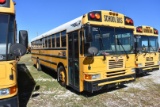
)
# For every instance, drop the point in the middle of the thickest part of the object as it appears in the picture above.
(23, 38)
(88, 34)
(17, 49)
(92, 50)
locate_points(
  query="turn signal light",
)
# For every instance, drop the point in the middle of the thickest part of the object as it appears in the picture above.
(88, 77)
(13, 89)
(2, 1)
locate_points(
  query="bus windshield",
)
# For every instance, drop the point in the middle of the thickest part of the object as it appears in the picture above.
(147, 43)
(6, 31)
(111, 40)
(153, 44)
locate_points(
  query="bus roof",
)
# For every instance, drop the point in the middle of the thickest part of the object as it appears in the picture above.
(69, 26)
(74, 25)
(145, 30)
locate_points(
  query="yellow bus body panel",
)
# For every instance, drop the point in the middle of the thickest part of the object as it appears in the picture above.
(7, 69)
(10, 10)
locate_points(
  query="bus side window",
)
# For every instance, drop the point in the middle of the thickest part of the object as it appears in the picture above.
(58, 40)
(49, 42)
(63, 38)
(43, 44)
(46, 42)
(53, 41)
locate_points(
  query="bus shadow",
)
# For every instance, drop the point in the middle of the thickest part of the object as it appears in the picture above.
(26, 85)
(102, 91)
(49, 71)
(142, 75)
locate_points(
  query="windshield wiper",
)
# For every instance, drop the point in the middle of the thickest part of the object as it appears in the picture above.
(152, 49)
(119, 43)
(100, 39)
(145, 50)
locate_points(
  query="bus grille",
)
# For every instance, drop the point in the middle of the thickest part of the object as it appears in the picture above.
(113, 64)
(115, 73)
(149, 63)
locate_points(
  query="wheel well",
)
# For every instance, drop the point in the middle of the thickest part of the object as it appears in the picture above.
(60, 64)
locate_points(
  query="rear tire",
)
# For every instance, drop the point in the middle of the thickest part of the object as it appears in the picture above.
(61, 76)
(38, 66)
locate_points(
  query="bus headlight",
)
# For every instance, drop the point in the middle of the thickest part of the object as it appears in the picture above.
(139, 65)
(7, 91)
(92, 76)
(158, 62)
(4, 91)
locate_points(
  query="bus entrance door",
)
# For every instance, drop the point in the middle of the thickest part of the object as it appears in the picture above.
(73, 53)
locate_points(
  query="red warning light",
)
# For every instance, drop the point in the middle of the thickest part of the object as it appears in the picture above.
(2, 1)
(139, 29)
(92, 15)
(155, 31)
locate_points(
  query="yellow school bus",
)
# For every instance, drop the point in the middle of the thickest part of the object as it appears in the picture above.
(88, 53)
(9, 51)
(146, 49)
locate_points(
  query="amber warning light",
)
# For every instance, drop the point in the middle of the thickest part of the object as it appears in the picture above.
(2, 1)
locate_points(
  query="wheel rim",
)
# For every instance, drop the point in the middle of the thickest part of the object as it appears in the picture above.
(37, 65)
(62, 77)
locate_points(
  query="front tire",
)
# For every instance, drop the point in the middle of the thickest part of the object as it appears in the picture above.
(61, 76)
(38, 66)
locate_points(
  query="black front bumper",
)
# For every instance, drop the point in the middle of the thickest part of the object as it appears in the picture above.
(9, 102)
(145, 70)
(93, 85)
(141, 71)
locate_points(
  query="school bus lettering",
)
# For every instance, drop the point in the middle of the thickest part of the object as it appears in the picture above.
(147, 31)
(113, 19)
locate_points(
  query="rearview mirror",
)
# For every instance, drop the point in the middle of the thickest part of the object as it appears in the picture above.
(92, 50)
(23, 38)
(18, 49)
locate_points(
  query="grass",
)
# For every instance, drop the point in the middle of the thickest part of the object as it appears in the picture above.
(143, 92)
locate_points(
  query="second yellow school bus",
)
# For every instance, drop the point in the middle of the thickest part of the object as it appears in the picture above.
(146, 45)
(88, 53)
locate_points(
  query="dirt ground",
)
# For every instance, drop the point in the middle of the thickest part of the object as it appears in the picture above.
(40, 89)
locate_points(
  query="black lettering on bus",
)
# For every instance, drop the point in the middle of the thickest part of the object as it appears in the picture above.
(112, 19)
(147, 30)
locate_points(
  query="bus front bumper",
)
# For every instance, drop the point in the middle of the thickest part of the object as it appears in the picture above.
(144, 70)
(92, 86)
(9, 102)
